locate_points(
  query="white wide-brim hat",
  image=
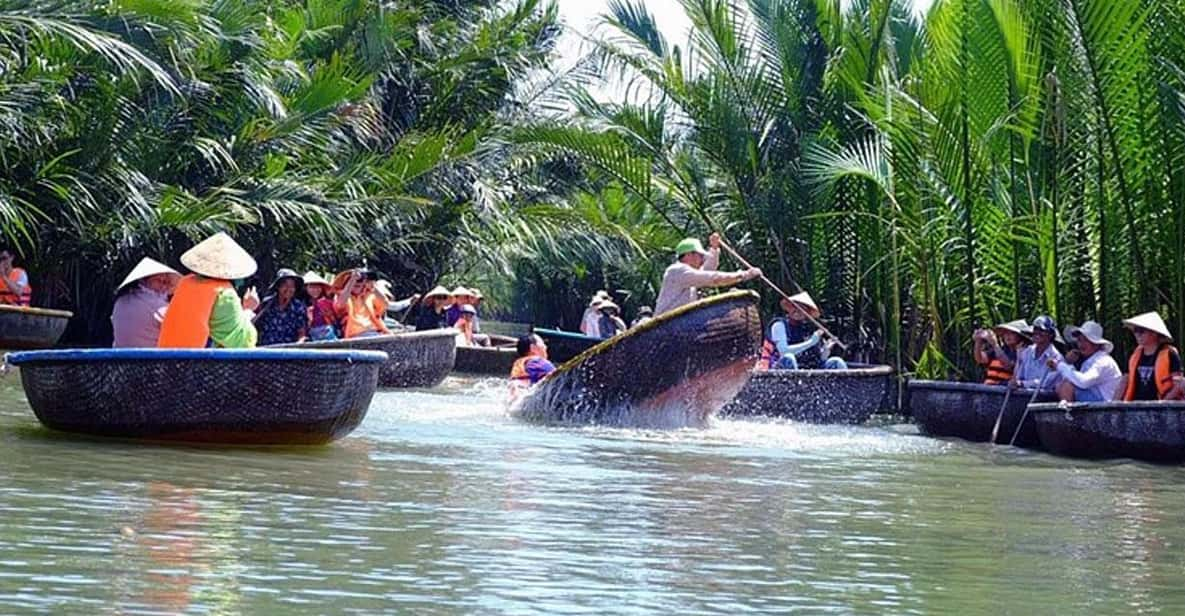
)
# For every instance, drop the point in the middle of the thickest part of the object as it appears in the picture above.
(384, 288)
(1019, 327)
(144, 269)
(1091, 331)
(1150, 321)
(219, 256)
(314, 278)
(804, 300)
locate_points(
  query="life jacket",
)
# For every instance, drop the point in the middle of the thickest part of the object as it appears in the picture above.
(24, 298)
(1164, 378)
(810, 358)
(998, 372)
(187, 321)
(364, 314)
(519, 372)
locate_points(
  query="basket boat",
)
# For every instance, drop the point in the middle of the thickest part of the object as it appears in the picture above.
(674, 371)
(563, 346)
(969, 411)
(415, 359)
(22, 327)
(489, 361)
(1149, 431)
(241, 396)
(815, 396)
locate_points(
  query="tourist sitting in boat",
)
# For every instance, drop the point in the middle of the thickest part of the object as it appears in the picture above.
(141, 301)
(590, 322)
(999, 360)
(1032, 369)
(461, 297)
(531, 366)
(205, 309)
(283, 317)
(794, 343)
(430, 314)
(383, 287)
(15, 289)
(1098, 378)
(645, 313)
(359, 307)
(610, 323)
(464, 326)
(1154, 368)
(694, 268)
(322, 316)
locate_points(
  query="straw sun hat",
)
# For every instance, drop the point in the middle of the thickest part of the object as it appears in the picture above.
(146, 268)
(310, 278)
(1151, 322)
(804, 300)
(438, 291)
(218, 256)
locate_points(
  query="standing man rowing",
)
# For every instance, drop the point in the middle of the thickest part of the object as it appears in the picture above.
(695, 268)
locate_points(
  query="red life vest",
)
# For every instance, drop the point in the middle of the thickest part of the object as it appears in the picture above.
(1164, 378)
(26, 295)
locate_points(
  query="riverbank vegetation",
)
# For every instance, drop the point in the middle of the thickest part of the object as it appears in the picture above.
(919, 173)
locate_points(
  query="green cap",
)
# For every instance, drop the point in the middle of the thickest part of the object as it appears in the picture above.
(689, 245)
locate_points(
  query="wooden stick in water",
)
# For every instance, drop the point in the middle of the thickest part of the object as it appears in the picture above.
(773, 286)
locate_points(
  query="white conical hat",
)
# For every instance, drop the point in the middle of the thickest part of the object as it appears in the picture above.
(439, 291)
(145, 268)
(219, 256)
(1020, 327)
(804, 300)
(1150, 321)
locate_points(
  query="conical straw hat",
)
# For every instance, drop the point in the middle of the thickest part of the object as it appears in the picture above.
(804, 300)
(219, 256)
(439, 291)
(145, 268)
(1150, 321)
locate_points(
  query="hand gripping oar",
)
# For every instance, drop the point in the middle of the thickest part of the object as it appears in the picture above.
(1032, 399)
(773, 286)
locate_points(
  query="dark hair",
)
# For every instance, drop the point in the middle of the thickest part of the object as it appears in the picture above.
(524, 345)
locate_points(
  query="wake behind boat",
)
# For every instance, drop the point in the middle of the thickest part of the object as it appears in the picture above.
(674, 371)
(262, 396)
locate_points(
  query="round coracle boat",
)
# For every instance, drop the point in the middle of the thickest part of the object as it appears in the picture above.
(22, 327)
(674, 371)
(969, 411)
(815, 396)
(563, 346)
(1149, 431)
(415, 359)
(240, 396)
(494, 360)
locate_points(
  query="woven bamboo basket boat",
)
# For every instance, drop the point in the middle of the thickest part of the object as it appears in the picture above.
(674, 371)
(494, 360)
(563, 346)
(248, 396)
(969, 411)
(22, 327)
(415, 359)
(1149, 431)
(815, 396)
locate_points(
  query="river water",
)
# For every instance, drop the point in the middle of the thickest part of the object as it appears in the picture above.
(440, 503)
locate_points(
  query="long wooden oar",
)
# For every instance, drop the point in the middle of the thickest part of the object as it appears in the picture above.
(1032, 399)
(1000, 415)
(775, 287)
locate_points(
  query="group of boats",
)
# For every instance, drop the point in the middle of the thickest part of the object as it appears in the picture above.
(678, 370)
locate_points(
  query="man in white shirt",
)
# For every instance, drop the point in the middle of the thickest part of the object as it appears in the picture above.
(1099, 377)
(695, 268)
(1032, 362)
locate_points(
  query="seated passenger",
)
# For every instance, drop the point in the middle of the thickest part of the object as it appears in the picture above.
(283, 317)
(383, 287)
(461, 297)
(141, 301)
(359, 307)
(14, 281)
(1098, 379)
(609, 325)
(430, 314)
(592, 314)
(1032, 370)
(464, 326)
(793, 342)
(999, 360)
(1155, 365)
(645, 314)
(322, 317)
(205, 309)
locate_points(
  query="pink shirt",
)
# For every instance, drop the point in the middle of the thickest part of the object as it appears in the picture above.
(137, 316)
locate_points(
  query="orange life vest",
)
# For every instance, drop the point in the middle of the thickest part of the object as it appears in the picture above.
(1164, 379)
(998, 372)
(11, 298)
(364, 314)
(187, 321)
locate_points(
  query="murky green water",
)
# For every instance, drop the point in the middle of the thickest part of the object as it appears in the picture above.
(441, 504)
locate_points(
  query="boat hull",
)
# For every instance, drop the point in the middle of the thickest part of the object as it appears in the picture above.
(1149, 431)
(31, 328)
(415, 359)
(248, 397)
(969, 411)
(815, 396)
(675, 371)
(487, 361)
(564, 346)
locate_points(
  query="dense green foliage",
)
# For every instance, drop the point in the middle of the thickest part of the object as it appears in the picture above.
(318, 132)
(988, 160)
